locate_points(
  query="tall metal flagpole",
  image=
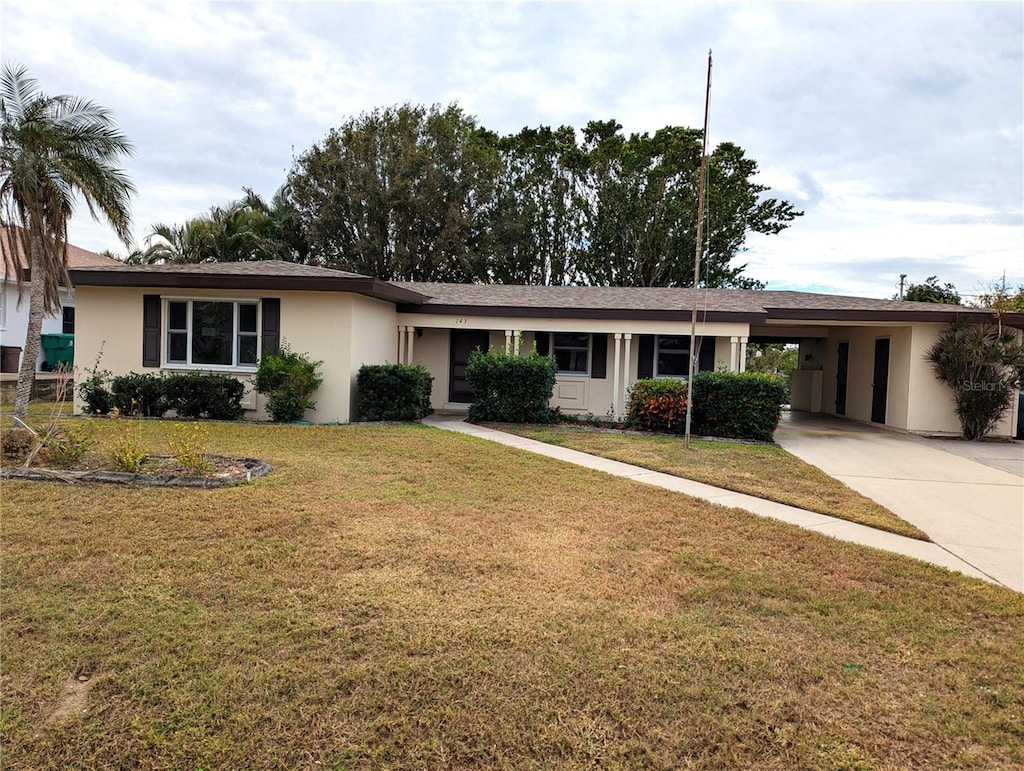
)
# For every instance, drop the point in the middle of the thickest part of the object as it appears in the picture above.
(697, 254)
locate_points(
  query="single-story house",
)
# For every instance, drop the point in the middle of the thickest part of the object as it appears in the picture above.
(859, 358)
(14, 313)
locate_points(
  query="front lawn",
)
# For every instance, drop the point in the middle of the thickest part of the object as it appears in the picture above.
(405, 597)
(755, 469)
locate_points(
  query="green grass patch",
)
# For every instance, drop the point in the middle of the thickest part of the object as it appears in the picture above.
(755, 469)
(405, 597)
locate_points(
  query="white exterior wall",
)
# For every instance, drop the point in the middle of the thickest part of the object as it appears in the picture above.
(14, 318)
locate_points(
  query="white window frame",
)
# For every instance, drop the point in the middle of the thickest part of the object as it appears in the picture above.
(235, 302)
(670, 352)
(590, 353)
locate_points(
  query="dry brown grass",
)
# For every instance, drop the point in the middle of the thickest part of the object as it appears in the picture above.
(760, 470)
(403, 597)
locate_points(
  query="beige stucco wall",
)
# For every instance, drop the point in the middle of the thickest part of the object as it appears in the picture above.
(341, 330)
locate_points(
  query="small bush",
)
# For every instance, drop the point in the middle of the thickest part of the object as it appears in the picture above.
(135, 394)
(288, 380)
(16, 444)
(393, 392)
(96, 397)
(70, 444)
(195, 395)
(188, 444)
(737, 405)
(657, 404)
(511, 389)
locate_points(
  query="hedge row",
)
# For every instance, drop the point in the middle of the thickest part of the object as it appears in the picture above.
(727, 404)
(190, 395)
(393, 392)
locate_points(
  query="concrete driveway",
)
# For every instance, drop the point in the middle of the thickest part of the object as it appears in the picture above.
(967, 496)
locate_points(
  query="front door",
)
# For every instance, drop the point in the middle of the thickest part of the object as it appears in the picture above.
(464, 342)
(842, 373)
(880, 385)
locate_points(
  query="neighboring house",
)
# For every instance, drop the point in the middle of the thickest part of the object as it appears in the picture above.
(860, 358)
(14, 314)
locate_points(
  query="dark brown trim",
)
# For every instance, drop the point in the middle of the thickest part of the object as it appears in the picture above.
(370, 287)
(847, 314)
(270, 331)
(629, 314)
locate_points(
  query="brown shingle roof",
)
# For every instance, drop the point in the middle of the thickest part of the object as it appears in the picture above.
(261, 274)
(665, 303)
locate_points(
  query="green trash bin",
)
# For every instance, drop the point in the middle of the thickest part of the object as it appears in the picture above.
(58, 349)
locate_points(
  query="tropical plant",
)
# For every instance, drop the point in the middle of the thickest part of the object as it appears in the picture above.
(52, 149)
(982, 364)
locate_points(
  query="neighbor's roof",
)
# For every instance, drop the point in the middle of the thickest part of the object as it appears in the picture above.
(77, 258)
(259, 274)
(744, 305)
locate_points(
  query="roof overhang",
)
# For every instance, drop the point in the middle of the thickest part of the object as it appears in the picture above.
(626, 314)
(364, 285)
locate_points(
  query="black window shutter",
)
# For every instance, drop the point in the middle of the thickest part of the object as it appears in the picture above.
(543, 339)
(706, 357)
(645, 357)
(599, 354)
(150, 330)
(271, 331)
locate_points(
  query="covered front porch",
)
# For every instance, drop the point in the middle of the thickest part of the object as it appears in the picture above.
(598, 360)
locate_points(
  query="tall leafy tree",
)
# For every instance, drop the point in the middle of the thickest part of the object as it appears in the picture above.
(640, 204)
(538, 228)
(54, 150)
(1002, 297)
(931, 291)
(404, 193)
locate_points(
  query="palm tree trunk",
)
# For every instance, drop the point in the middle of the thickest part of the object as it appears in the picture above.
(27, 373)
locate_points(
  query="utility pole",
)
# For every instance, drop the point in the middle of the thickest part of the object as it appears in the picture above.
(696, 259)
(903, 280)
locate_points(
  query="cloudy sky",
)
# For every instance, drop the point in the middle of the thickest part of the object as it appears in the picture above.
(897, 127)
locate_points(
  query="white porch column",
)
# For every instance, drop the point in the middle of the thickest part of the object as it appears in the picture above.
(508, 341)
(411, 335)
(517, 337)
(734, 357)
(616, 392)
(627, 337)
(743, 354)
(401, 344)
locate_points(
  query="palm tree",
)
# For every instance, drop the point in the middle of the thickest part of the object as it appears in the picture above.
(53, 149)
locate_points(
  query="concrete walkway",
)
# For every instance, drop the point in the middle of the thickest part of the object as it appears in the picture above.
(967, 496)
(837, 528)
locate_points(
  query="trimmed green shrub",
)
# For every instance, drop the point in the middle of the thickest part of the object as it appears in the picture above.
(658, 404)
(288, 380)
(737, 405)
(195, 395)
(509, 388)
(393, 392)
(135, 394)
